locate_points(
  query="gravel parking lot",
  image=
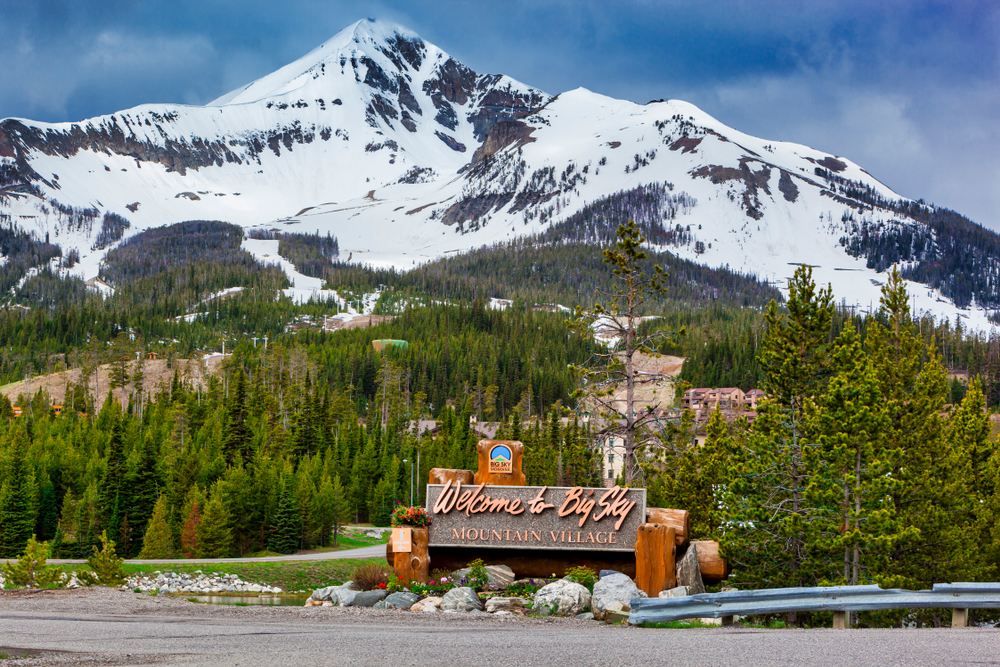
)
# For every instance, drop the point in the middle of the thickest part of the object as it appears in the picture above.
(109, 627)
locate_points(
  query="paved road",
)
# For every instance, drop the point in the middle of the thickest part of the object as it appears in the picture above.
(409, 638)
(363, 552)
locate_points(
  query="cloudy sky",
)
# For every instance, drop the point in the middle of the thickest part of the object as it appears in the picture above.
(910, 90)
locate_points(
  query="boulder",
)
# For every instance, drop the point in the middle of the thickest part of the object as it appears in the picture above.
(679, 592)
(586, 616)
(316, 603)
(398, 600)
(607, 573)
(431, 604)
(561, 598)
(494, 605)
(367, 598)
(461, 599)
(323, 594)
(613, 588)
(500, 576)
(689, 572)
(618, 607)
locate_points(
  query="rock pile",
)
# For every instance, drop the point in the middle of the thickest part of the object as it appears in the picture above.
(198, 583)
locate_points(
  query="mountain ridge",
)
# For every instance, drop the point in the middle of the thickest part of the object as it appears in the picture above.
(406, 155)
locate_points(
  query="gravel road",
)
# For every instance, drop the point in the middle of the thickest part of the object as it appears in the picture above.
(110, 627)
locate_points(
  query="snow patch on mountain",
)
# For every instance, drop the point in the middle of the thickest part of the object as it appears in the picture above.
(406, 155)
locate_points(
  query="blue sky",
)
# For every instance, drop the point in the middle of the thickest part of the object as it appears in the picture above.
(909, 90)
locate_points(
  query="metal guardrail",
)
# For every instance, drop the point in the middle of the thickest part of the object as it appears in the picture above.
(960, 596)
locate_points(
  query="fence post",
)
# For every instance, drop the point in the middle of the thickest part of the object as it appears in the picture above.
(840, 620)
(959, 618)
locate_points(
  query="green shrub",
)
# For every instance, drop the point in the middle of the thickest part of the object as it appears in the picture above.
(524, 588)
(30, 570)
(479, 578)
(582, 575)
(105, 564)
(371, 576)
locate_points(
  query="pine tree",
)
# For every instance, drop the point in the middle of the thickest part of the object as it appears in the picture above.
(914, 388)
(339, 508)
(30, 570)
(113, 496)
(237, 434)
(620, 317)
(192, 519)
(144, 484)
(766, 502)
(972, 484)
(854, 526)
(690, 476)
(305, 494)
(48, 515)
(17, 517)
(157, 542)
(284, 533)
(214, 535)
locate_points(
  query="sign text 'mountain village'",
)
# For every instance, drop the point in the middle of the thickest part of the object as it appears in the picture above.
(526, 517)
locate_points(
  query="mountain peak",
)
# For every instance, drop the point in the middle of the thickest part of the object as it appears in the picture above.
(373, 38)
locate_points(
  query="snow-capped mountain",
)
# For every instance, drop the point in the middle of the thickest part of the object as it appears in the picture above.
(406, 155)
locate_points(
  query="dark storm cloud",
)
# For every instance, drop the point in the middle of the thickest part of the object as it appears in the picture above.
(909, 90)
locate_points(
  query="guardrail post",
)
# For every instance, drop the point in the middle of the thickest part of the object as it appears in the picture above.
(840, 620)
(959, 618)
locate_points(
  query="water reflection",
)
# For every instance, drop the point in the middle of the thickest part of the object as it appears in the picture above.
(269, 600)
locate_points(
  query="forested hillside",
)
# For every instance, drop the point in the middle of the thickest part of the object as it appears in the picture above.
(854, 471)
(273, 453)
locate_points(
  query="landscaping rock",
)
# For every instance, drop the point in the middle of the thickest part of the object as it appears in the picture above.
(616, 617)
(494, 605)
(197, 583)
(322, 595)
(613, 588)
(461, 599)
(431, 604)
(561, 598)
(618, 607)
(500, 576)
(585, 616)
(398, 600)
(689, 573)
(679, 592)
(367, 598)
(607, 573)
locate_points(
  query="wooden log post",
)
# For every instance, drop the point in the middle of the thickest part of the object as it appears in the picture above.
(500, 463)
(959, 618)
(414, 565)
(713, 567)
(679, 519)
(840, 621)
(444, 475)
(655, 551)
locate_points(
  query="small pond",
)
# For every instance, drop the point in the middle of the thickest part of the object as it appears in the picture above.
(269, 600)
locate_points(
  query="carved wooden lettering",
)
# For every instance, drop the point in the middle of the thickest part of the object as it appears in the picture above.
(556, 517)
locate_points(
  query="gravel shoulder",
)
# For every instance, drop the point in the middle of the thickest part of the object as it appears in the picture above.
(112, 627)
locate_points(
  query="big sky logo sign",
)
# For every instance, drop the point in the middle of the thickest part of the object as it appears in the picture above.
(500, 460)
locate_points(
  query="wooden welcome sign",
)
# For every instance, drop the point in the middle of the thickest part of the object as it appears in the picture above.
(541, 531)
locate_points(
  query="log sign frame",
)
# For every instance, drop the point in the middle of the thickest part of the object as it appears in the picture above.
(535, 517)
